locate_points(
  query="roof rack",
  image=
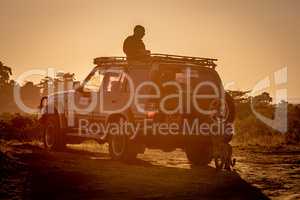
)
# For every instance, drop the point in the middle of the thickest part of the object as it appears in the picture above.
(110, 60)
(166, 58)
(205, 62)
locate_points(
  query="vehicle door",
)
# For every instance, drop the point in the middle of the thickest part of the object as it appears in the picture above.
(86, 99)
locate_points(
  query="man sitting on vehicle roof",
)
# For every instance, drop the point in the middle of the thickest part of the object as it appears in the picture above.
(134, 47)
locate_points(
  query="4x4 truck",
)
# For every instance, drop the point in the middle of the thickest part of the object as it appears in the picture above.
(179, 92)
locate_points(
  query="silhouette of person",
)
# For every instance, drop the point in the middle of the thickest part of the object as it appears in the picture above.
(133, 45)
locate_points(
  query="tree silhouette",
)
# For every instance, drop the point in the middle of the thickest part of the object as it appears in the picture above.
(61, 82)
(5, 73)
(46, 84)
(64, 81)
(263, 99)
(30, 94)
(6, 88)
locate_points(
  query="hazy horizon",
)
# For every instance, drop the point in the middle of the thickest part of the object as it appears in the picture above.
(252, 40)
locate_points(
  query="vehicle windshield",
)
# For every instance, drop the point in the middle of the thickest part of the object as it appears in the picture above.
(93, 81)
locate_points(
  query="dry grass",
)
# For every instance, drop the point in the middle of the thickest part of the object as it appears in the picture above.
(90, 146)
(260, 140)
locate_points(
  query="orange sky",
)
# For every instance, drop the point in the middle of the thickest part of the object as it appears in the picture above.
(251, 39)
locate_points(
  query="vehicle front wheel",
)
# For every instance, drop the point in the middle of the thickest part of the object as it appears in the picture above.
(52, 136)
(120, 148)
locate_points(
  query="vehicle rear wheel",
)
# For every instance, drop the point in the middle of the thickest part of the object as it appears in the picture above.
(199, 153)
(120, 148)
(52, 136)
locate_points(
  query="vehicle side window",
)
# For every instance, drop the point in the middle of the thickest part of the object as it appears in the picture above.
(94, 82)
(112, 76)
(124, 83)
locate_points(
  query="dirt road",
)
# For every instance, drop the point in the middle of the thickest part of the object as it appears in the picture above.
(78, 174)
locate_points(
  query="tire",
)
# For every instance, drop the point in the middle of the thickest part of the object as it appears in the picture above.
(121, 147)
(199, 153)
(231, 116)
(231, 108)
(52, 136)
(219, 163)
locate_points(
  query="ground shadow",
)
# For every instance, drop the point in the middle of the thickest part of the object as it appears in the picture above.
(76, 174)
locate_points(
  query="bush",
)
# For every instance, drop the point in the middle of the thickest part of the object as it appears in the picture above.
(250, 130)
(20, 127)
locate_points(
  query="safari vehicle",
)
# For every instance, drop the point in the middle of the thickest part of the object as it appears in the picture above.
(68, 117)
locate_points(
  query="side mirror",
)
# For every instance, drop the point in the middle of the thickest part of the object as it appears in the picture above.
(76, 85)
(115, 86)
(79, 89)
